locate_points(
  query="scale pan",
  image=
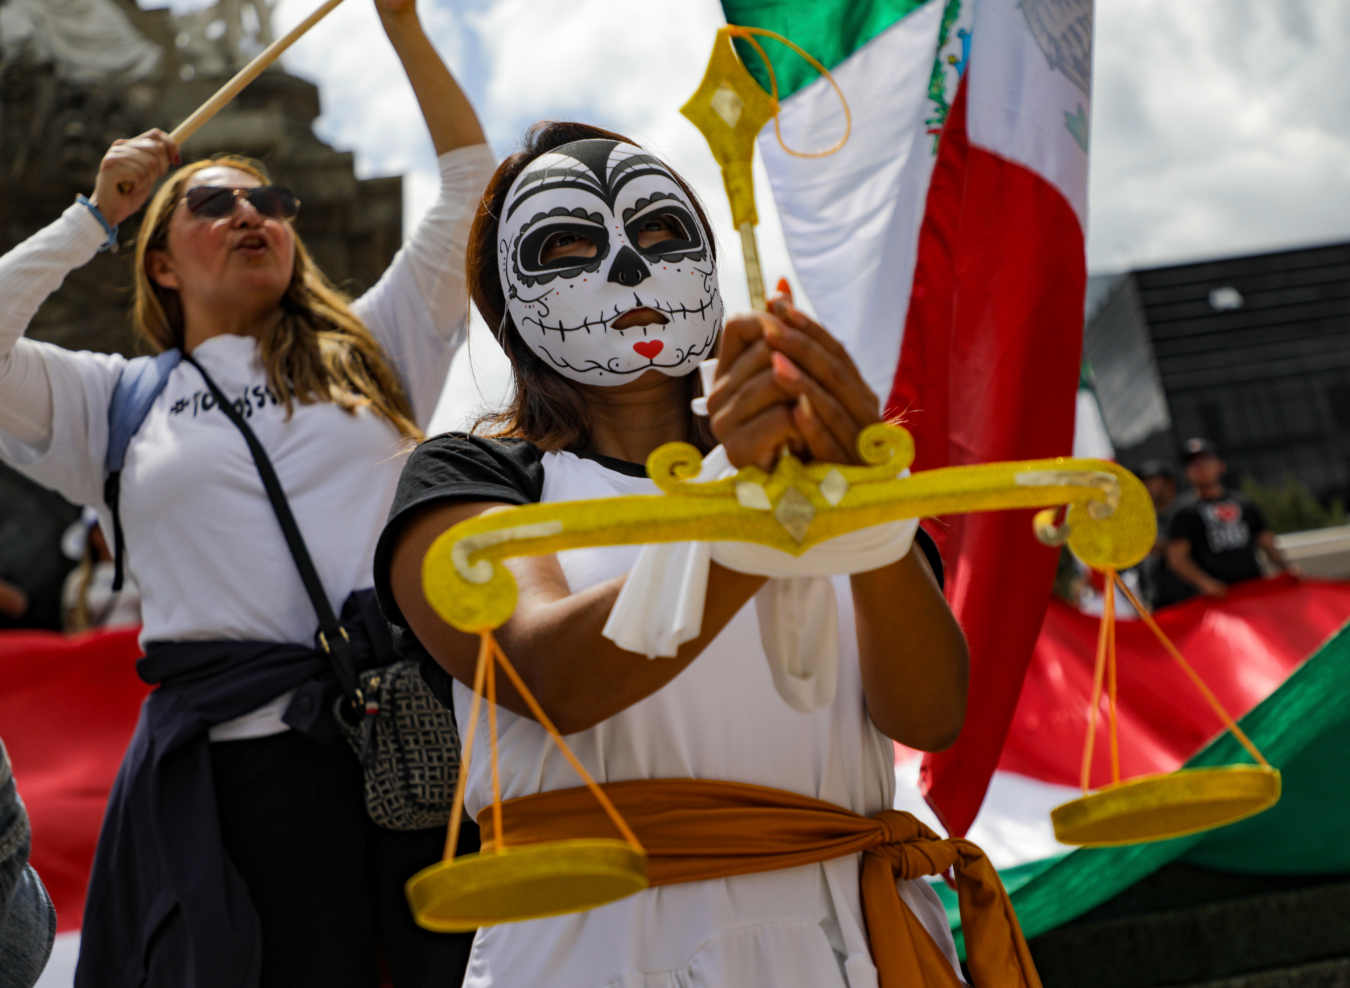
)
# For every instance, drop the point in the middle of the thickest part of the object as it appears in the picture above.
(526, 882)
(1173, 804)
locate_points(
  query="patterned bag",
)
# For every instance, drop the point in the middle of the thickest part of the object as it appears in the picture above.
(405, 739)
(408, 746)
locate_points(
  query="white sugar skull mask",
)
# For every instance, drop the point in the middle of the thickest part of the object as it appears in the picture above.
(591, 231)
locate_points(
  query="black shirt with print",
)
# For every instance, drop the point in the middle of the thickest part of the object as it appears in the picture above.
(1222, 533)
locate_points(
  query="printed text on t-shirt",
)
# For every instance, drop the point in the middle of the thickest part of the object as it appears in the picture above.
(255, 397)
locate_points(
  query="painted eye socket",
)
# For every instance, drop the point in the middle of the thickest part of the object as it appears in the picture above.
(566, 243)
(659, 229)
(563, 245)
(667, 230)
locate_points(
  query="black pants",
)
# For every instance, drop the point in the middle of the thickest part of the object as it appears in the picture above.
(326, 882)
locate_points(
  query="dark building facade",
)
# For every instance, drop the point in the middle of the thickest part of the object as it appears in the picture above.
(1252, 352)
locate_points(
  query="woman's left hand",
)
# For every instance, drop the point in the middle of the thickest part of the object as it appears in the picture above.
(833, 403)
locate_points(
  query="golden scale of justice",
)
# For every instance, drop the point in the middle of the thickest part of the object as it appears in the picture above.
(1099, 509)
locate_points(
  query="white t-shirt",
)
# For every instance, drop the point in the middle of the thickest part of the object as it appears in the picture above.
(202, 540)
(721, 718)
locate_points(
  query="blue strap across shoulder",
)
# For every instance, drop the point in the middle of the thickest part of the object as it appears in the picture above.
(140, 384)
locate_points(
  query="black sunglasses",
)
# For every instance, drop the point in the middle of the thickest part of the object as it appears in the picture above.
(216, 201)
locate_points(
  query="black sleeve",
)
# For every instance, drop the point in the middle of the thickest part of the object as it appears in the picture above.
(1256, 519)
(455, 467)
(930, 551)
(452, 467)
(1186, 524)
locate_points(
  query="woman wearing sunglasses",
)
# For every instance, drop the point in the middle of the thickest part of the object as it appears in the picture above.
(268, 872)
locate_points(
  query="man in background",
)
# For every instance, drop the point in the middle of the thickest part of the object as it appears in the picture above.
(1161, 585)
(1212, 538)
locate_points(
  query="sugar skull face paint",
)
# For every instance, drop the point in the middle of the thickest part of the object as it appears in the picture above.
(591, 232)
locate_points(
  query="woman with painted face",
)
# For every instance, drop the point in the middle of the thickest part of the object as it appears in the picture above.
(237, 850)
(595, 265)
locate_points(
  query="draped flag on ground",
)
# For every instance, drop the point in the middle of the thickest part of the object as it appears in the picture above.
(1242, 647)
(944, 246)
(1246, 648)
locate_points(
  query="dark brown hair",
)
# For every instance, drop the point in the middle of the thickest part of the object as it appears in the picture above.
(545, 408)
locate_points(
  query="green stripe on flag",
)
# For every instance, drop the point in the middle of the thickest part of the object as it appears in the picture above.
(1303, 728)
(831, 30)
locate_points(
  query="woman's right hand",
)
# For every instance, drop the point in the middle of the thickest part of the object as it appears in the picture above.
(128, 173)
(750, 412)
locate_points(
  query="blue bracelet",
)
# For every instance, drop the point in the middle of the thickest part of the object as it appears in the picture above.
(111, 242)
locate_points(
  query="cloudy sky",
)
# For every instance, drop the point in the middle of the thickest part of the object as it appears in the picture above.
(1219, 126)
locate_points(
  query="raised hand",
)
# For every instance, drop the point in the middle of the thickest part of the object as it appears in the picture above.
(128, 173)
(782, 379)
(832, 401)
(750, 411)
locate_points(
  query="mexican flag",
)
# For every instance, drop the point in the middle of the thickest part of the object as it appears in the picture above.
(944, 246)
(1276, 654)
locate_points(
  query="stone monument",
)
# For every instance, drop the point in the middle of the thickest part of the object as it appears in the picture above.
(77, 74)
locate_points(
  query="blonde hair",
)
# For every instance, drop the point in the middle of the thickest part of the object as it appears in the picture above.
(316, 350)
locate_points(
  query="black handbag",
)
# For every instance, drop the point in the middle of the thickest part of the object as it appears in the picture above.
(406, 740)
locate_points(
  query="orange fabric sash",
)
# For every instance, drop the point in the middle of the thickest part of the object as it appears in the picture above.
(694, 830)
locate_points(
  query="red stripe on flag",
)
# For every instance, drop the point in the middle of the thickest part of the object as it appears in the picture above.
(1243, 647)
(67, 711)
(989, 371)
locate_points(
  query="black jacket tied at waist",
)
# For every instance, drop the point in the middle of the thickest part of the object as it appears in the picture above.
(161, 877)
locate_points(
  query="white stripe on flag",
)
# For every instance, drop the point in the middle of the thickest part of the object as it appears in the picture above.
(851, 220)
(1090, 438)
(1029, 89)
(1013, 826)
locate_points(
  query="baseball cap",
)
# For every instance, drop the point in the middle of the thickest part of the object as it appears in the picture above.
(1155, 468)
(1198, 447)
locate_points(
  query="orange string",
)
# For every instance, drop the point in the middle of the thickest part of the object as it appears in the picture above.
(497, 843)
(540, 716)
(1099, 668)
(1228, 721)
(748, 33)
(1111, 674)
(457, 804)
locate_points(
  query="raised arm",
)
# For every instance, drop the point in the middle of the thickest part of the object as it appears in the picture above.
(419, 309)
(34, 269)
(449, 114)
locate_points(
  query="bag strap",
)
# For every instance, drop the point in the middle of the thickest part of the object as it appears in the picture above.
(332, 636)
(139, 384)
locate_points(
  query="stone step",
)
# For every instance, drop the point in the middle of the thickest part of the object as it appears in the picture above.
(1323, 974)
(1189, 926)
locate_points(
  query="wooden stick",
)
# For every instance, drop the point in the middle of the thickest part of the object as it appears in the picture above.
(248, 73)
(241, 79)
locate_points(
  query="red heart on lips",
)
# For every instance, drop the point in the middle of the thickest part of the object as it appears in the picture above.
(649, 348)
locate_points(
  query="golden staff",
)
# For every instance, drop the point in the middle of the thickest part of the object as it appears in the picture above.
(242, 78)
(730, 109)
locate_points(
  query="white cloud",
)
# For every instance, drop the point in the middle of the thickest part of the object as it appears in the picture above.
(1220, 128)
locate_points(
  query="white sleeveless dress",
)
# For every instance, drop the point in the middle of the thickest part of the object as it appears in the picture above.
(719, 719)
